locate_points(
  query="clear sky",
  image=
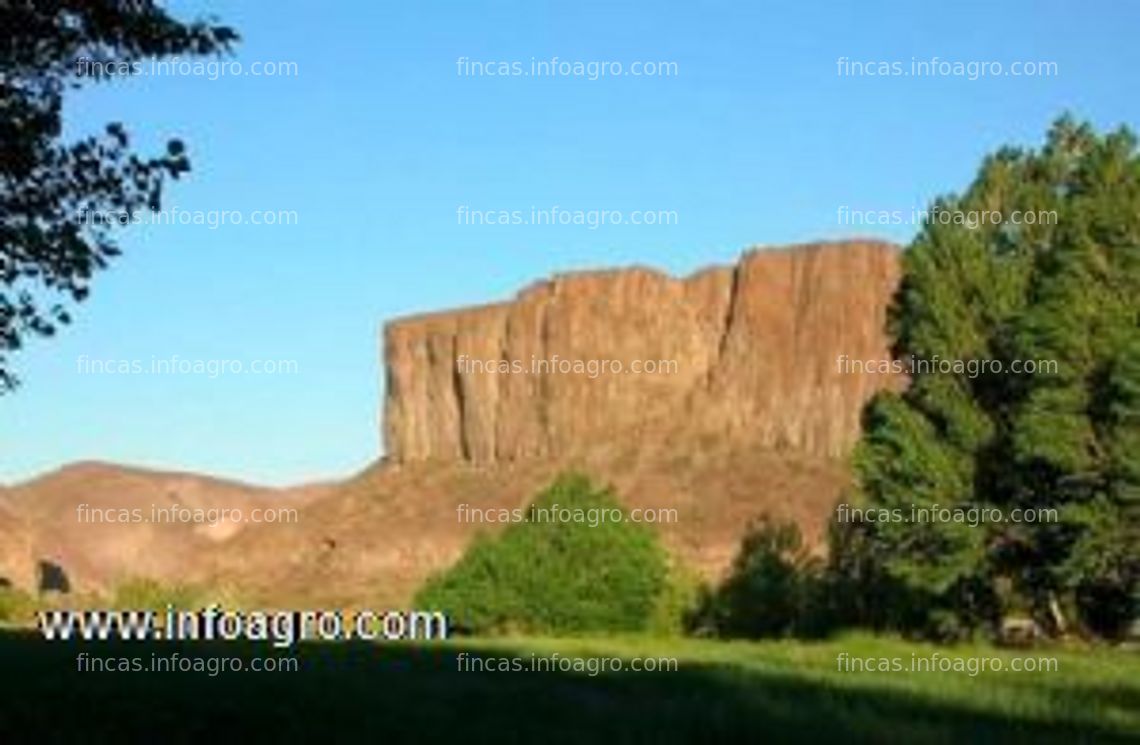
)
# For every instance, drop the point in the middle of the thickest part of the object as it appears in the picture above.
(378, 140)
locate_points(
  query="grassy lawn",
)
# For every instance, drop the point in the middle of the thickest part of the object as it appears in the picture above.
(721, 692)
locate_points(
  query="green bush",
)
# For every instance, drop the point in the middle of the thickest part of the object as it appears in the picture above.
(16, 606)
(775, 588)
(678, 602)
(149, 594)
(556, 577)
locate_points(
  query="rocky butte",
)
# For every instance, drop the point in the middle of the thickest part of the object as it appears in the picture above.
(746, 353)
(749, 413)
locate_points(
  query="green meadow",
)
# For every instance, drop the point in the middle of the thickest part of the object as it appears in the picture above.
(775, 691)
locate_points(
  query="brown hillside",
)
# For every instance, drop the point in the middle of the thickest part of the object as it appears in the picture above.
(74, 518)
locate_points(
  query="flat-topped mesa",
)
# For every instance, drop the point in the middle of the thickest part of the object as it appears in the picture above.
(751, 353)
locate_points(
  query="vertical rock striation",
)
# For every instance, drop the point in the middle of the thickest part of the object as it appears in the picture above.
(748, 353)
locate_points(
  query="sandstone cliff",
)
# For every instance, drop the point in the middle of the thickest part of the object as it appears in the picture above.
(749, 355)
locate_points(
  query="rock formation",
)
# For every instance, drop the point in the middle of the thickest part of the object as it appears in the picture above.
(748, 414)
(749, 353)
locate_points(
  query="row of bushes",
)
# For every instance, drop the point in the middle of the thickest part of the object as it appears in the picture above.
(568, 578)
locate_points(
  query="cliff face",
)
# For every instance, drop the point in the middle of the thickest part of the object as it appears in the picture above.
(747, 354)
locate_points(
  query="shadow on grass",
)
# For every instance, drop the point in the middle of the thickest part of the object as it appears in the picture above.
(417, 694)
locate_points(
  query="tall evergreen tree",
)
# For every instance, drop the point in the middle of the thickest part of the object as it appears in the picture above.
(1061, 289)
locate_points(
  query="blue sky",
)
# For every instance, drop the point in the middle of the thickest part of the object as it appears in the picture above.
(377, 140)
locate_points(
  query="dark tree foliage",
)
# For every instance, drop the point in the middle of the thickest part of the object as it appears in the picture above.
(50, 247)
(1064, 439)
(775, 588)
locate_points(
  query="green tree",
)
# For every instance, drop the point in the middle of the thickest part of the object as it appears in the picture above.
(551, 576)
(55, 197)
(775, 587)
(1063, 289)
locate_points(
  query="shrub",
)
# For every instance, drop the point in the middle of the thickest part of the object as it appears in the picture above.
(678, 603)
(16, 606)
(775, 588)
(556, 577)
(148, 594)
(861, 593)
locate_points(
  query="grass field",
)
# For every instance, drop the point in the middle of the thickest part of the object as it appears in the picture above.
(721, 692)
